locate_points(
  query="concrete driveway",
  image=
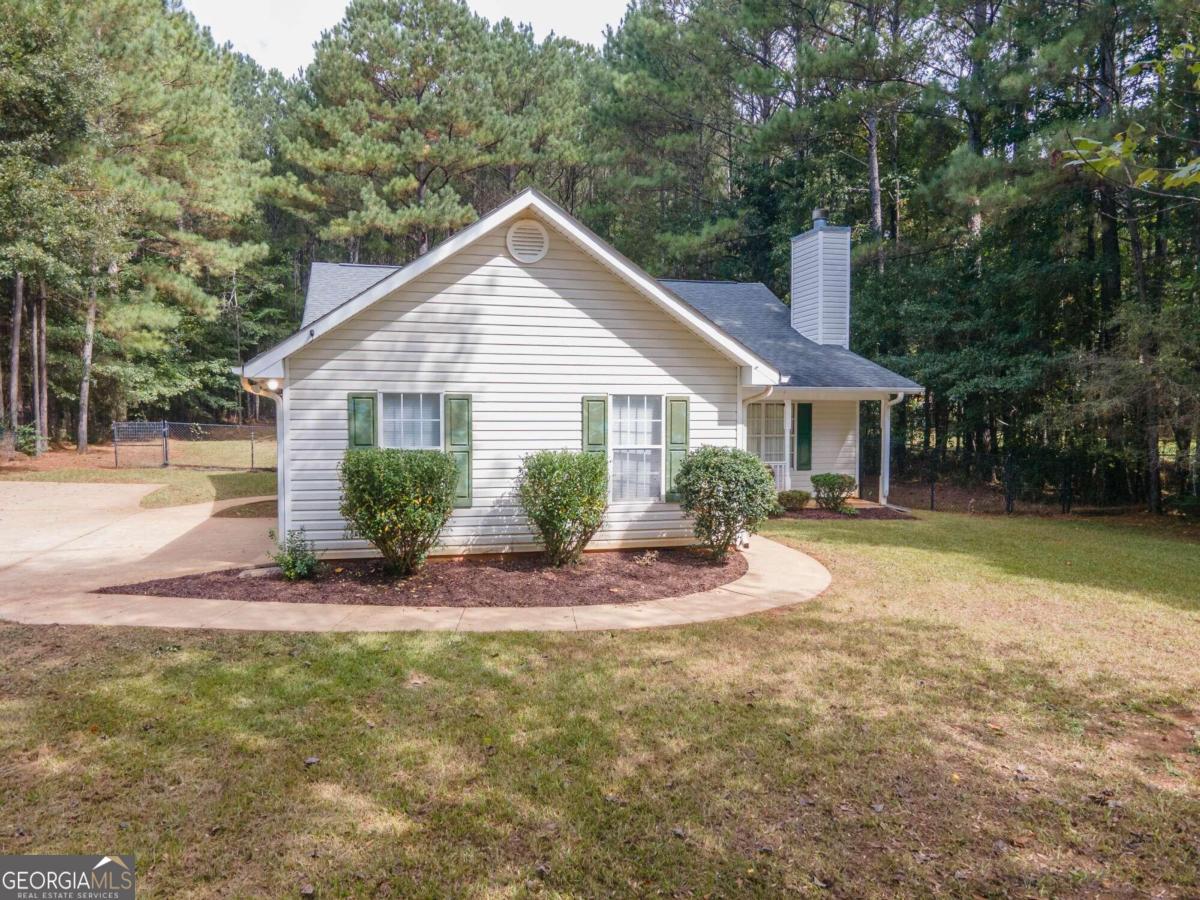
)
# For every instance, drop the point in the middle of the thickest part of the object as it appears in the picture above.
(62, 540)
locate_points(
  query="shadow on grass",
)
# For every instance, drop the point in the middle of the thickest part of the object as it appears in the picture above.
(1158, 563)
(228, 485)
(784, 753)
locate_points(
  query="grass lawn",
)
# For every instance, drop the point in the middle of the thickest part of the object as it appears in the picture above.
(179, 486)
(229, 454)
(977, 707)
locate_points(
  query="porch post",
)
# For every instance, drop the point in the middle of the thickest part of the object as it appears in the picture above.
(787, 445)
(885, 449)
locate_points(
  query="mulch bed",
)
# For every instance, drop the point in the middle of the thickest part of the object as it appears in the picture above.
(864, 512)
(519, 580)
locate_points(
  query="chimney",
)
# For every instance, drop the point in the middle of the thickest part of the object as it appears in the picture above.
(821, 282)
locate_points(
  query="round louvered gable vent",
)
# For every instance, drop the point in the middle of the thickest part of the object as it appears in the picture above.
(527, 241)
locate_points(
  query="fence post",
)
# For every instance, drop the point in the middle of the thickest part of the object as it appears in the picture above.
(166, 446)
(251, 448)
(116, 444)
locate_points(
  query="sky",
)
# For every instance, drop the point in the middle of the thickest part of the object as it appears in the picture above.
(280, 33)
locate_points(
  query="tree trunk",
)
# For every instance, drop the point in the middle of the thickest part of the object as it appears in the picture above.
(35, 370)
(14, 355)
(1153, 458)
(1110, 267)
(927, 408)
(975, 113)
(871, 120)
(1108, 91)
(1147, 357)
(43, 399)
(85, 383)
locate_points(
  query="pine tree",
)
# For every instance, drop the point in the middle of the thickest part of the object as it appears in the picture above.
(400, 114)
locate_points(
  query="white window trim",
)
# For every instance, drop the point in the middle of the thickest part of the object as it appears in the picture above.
(750, 438)
(441, 418)
(662, 449)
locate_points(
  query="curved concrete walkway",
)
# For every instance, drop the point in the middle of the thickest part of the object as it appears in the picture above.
(60, 542)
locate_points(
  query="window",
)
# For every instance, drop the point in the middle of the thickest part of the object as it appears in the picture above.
(637, 433)
(765, 432)
(412, 421)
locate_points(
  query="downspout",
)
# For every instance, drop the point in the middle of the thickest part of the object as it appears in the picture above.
(758, 398)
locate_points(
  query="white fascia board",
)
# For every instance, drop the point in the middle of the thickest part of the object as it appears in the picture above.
(271, 371)
(269, 364)
(865, 393)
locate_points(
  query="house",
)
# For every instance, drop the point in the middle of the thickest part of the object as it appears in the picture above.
(526, 331)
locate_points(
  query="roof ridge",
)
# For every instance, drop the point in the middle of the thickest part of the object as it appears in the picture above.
(709, 281)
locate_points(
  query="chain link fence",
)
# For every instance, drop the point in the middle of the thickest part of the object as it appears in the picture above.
(1043, 477)
(194, 445)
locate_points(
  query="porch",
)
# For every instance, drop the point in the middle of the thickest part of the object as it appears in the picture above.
(798, 433)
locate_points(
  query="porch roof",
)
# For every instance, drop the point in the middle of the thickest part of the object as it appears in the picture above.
(751, 314)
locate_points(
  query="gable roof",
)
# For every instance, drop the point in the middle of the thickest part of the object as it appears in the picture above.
(750, 312)
(270, 362)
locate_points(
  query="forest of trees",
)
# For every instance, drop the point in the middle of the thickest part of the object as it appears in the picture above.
(1023, 180)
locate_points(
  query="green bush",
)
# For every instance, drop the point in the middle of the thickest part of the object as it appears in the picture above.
(294, 555)
(398, 500)
(832, 490)
(794, 501)
(564, 494)
(726, 492)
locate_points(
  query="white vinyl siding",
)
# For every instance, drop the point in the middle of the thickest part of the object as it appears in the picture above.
(526, 343)
(820, 308)
(834, 441)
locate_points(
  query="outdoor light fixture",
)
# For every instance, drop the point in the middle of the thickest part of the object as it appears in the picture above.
(272, 384)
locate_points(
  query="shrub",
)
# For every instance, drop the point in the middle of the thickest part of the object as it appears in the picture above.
(398, 500)
(726, 491)
(794, 501)
(294, 555)
(564, 494)
(832, 490)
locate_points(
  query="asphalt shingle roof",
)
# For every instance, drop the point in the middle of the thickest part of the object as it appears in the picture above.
(751, 314)
(746, 311)
(332, 284)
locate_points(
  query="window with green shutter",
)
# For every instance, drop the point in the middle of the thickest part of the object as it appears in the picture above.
(677, 441)
(595, 425)
(360, 420)
(458, 444)
(802, 425)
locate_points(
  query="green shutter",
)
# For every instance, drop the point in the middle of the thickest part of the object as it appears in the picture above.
(360, 420)
(458, 444)
(803, 425)
(677, 441)
(595, 425)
